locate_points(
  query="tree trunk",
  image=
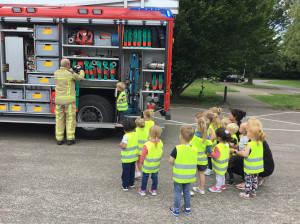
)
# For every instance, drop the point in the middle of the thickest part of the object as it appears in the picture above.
(250, 78)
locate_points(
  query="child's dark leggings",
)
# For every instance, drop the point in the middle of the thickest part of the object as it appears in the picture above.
(209, 163)
(251, 180)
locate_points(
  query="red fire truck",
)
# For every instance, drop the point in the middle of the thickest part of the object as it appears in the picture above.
(132, 45)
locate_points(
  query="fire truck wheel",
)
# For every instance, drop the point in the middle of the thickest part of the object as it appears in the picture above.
(93, 108)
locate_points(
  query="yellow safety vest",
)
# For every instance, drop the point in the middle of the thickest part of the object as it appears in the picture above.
(198, 143)
(122, 105)
(130, 154)
(237, 141)
(254, 163)
(142, 136)
(148, 125)
(220, 165)
(185, 164)
(152, 160)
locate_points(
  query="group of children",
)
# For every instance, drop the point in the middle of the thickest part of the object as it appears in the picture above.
(209, 149)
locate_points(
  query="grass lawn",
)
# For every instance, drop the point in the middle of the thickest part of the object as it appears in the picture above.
(280, 100)
(255, 86)
(209, 97)
(292, 83)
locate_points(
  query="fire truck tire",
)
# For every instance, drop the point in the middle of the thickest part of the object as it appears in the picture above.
(93, 108)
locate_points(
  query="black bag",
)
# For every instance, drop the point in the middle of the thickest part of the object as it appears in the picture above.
(154, 38)
(161, 37)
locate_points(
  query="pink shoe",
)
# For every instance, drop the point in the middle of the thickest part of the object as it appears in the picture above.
(223, 187)
(153, 192)
(215, 189)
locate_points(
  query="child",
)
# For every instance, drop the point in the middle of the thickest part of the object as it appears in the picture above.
(129, 153)
(233, 129)
(201, 141)
(121, 101)
(214, 125)
(152, 152)
(148, 114)
(224, 122)
(217, 110)
(142, 136)
(220, 159)
(243, 136)
(253, 160)
(184, 161)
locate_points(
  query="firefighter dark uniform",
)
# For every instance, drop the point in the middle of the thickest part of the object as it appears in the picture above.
(65, 100)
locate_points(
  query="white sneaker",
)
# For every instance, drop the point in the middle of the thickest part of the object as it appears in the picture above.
(208, 172)
(197, 189)
(137, 174)
(191, 192)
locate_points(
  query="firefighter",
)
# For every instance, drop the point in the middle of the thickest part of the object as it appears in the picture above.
(65, 100)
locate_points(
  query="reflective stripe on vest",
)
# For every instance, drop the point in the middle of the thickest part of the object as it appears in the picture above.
(122, 105)
(152, 160)
(185, 164)
(130, 154)
(198, 143)
(254, 163)
(220, 165)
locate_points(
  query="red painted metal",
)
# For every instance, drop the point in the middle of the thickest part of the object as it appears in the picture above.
(169, 66)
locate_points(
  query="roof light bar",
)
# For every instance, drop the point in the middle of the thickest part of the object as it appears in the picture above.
(82, 11)
(30, 10)
(17, 9)
(97, 11)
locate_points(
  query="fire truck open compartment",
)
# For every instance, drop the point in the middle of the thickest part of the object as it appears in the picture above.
(32, 45)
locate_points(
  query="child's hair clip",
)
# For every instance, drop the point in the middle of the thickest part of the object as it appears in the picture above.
(226, 132)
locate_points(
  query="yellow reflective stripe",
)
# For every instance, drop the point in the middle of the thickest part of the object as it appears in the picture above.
(67, 97)
(67, 78)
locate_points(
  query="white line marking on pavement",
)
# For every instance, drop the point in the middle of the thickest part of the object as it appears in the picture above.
(276, 114)
(271, 129)
(174, 108)
(172, 121)
(286, 122)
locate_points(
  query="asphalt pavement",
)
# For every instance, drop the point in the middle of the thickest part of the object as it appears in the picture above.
(41, 182)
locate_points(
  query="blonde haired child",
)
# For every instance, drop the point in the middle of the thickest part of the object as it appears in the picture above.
(122, 104)
(201, 141)
(148, 114)
(220, 156)
(213, 126)
(224, 122)
(233, 129)
(253, 160)
(150, 158)
(142, 136)
(184, 161)
(217, 110)
(243, 136)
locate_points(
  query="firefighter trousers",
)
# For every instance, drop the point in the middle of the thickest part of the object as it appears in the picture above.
(65, 119)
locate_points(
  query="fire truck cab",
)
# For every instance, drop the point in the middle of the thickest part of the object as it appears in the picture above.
(112, 44)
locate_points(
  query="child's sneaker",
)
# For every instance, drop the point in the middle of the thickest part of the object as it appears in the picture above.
(215, 189)
(231, 182)
(186, 210)
(172, 210)
(137, 174)
(199, 190)
(132, 186)
(142, 193)
(191, 193)
(125, 188)
(208, 172)
(223, 187)
(153, 192)
(245, 196)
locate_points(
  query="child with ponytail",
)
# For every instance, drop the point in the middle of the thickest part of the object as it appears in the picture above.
(253, 160)
(148, 114)
(142, 136)
(150, 158)
(201, 141)
(220, 159)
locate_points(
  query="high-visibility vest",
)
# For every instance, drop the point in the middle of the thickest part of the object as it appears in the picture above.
(148, 125)
(235, 137)
(254, 163)
(211, 126)
(142, 136)
(152, 160)
(198, 143)
(130, 154)
(122, 105)
(220, 164)
(185, 164)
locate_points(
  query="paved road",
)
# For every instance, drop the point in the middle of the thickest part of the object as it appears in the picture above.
(41, 182)
(285, 88)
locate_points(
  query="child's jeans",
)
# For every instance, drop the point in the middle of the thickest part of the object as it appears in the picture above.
(220, 180)
(128, 171)
(251, 180)
(121, 116)
(154, 177)
(185, 188)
